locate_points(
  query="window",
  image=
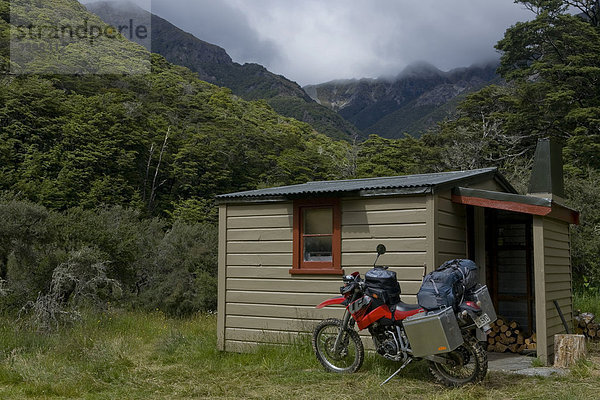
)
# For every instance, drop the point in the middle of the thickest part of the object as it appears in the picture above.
(317, 237)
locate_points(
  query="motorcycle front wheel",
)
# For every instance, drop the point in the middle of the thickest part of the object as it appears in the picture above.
(467, 364)
(350, 353)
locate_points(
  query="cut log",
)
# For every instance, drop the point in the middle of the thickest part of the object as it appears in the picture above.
(501, 348)
(503, 328)
(513, 325)
(587, 317)
(568, 349)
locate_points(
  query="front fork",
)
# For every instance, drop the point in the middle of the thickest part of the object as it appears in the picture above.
(345, 325)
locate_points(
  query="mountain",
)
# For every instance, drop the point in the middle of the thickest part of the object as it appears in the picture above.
(161, 141)
(72, 46)
(213, 64)
(413, 101)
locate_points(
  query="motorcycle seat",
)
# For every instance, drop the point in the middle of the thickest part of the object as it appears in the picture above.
(401, 306)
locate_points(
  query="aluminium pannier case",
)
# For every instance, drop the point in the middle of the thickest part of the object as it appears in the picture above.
(481, 294)
(433, 332)
(382, 285)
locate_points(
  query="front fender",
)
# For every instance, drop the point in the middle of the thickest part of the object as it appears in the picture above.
(330, 302)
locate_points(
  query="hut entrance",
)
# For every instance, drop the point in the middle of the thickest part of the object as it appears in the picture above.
(509, 265)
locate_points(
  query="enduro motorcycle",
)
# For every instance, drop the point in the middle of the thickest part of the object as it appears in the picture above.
(402, 332)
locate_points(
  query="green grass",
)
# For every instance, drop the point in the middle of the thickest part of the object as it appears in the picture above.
(587, 301)
(120, 355)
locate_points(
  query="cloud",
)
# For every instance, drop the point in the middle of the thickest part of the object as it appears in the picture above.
(220, 23)
(313, 41)
(323, 40)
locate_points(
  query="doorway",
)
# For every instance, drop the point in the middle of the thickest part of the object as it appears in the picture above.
(509, 265)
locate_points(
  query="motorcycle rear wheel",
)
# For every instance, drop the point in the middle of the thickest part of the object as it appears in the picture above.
(470, 365)
(351, 353)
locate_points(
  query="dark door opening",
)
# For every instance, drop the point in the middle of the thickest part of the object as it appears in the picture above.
(509, 266)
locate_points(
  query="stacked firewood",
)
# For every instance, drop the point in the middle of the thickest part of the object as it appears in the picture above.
(585, 325)
(508, 336)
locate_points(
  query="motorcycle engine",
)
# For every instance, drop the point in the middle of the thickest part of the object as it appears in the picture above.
(386, 343)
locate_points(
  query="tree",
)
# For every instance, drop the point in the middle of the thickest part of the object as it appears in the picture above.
(554, 60)
(378, 156)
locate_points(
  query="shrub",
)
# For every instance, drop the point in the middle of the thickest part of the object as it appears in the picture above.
(52, 263)
(182, 278)
(81, 280)
(583, 192)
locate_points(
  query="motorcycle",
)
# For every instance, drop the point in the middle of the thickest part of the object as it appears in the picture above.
(402, 332)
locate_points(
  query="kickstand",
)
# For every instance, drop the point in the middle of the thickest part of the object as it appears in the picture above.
(408, 360)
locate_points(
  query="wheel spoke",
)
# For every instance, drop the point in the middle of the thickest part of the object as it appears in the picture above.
(350, 353)
(468, 364)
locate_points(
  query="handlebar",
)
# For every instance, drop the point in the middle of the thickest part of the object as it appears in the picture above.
(351, 282)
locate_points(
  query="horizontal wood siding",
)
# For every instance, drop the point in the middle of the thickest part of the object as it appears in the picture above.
(265, 304)
(397, 222)
(557, 257)
(451, 222)
(489, 184)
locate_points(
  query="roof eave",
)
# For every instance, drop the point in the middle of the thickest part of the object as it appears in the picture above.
(355, 193)
(515, 202)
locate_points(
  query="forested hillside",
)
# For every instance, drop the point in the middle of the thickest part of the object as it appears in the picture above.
(108, 180)
(76, 149)
(213, 64)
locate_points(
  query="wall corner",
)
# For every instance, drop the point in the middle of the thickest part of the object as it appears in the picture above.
(222, 277)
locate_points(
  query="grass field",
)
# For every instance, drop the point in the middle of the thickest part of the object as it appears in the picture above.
(121, 355)
(587, 302)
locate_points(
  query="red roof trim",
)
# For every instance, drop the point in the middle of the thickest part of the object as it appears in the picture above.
(502, 205)
(556, 211)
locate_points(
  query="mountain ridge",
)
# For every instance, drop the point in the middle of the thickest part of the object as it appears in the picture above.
(392, 106)
(250, 81)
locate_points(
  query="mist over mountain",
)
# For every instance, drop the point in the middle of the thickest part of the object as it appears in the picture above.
(411, 102)
(213, 64)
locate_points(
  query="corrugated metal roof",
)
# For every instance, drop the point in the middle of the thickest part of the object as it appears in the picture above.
(406, 184)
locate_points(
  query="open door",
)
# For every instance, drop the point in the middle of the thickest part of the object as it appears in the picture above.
(509, 265)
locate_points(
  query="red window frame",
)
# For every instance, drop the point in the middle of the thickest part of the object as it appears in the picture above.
(301, 267)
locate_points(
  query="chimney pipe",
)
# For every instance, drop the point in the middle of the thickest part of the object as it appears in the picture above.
(547, 175)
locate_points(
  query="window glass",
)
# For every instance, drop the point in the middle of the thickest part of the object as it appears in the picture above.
(318, 221)
(317, 248)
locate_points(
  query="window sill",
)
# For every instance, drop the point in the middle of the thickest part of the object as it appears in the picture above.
(316, 271)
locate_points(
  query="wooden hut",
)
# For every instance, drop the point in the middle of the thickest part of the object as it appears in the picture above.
(283, 250)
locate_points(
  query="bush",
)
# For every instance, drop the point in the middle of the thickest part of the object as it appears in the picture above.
(583, 192)
(81, 280)
(52, 263)
(182, 278)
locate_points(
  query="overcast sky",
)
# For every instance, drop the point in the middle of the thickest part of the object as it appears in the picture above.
(313, 41)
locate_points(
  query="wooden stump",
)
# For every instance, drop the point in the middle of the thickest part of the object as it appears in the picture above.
(568, 349)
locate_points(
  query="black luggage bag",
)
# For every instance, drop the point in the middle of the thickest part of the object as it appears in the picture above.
(382, 285)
